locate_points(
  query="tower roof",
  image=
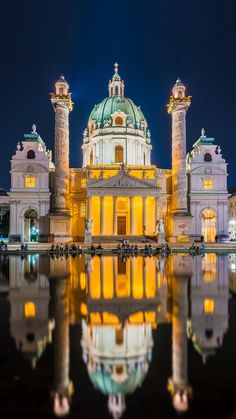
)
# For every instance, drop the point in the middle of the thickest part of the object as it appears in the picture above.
(203, 139)
(33, 136)
(178, 83)
(62, 79)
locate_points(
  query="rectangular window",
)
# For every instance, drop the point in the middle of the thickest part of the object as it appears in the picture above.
(82, 211)
(29, 309)
(30, 182)
(209, 305)
(83, 183)
(207, 184)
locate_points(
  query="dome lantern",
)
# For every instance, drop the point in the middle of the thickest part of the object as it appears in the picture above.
(116, 86)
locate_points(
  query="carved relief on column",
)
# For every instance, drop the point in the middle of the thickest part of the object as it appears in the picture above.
(179, 177)
(61, 157)
(62, 105)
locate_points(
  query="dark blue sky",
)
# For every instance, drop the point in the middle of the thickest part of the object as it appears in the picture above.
(153, 41)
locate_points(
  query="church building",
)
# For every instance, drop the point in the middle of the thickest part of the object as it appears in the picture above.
(118, 191)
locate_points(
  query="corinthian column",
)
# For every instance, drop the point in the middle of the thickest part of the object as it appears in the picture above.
(177, 107)
(62, 105)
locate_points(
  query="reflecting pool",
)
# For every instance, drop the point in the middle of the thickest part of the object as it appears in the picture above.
(103, 337)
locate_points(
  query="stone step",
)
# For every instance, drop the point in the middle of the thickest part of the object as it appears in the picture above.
(112, 239)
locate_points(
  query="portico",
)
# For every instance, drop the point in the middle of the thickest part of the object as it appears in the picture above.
(122, 205)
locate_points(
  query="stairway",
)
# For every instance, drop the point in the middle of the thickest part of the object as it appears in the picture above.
(112, 239)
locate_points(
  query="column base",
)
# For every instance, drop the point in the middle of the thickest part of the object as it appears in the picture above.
(59, 228)
(180, 226)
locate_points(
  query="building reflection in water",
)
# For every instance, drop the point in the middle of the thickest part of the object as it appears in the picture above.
(119, 304)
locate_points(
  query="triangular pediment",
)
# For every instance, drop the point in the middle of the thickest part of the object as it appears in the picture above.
(121, 180)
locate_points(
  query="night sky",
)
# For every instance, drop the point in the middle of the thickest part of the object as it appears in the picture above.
(153, 41)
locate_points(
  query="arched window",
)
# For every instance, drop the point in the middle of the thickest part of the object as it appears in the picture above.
(30, 154)
(91, 157)
(144, 159)
(91, 129)
(207, 157)
(116, 90)
(119, 154)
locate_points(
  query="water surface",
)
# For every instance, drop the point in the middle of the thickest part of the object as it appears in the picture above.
(104, 337)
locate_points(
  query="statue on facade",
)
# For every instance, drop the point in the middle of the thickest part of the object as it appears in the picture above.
(88, 231)
(160, 231)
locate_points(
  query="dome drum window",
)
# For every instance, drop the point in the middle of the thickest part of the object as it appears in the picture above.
(119, 154)
(119, 121)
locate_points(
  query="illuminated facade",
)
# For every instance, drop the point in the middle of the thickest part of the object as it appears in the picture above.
(118, 191)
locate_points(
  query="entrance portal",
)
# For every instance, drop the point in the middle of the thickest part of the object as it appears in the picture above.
(121, 225)
(209, 225)
(31, 228)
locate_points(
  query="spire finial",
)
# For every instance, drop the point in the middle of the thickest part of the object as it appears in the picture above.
(203, 132)
(116, 67)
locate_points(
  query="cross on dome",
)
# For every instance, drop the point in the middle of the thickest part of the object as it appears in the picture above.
(116, 67)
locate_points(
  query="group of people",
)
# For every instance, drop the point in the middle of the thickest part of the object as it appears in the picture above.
(24, 247)
(125, 247)
(195, 248)
(3, 246)
(94, 249)
(65, 248)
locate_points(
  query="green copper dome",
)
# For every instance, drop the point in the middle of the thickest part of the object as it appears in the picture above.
(108, 106)
(103, 381)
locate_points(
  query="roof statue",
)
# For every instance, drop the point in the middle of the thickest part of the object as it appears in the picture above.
(33, 129)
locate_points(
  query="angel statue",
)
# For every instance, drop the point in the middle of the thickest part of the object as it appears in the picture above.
(88, 226)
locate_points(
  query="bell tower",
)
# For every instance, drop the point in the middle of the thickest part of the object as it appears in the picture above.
(60, 217)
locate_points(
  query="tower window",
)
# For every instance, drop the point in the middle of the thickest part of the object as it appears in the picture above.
(82, 211)
(83, 183)
(209, 305)
(29, 309)
(30, 154)
(207, 157)
(61, 91)
(119, 154)
(116, 90)
(30, 182)
(208, 184)
(119, 121)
